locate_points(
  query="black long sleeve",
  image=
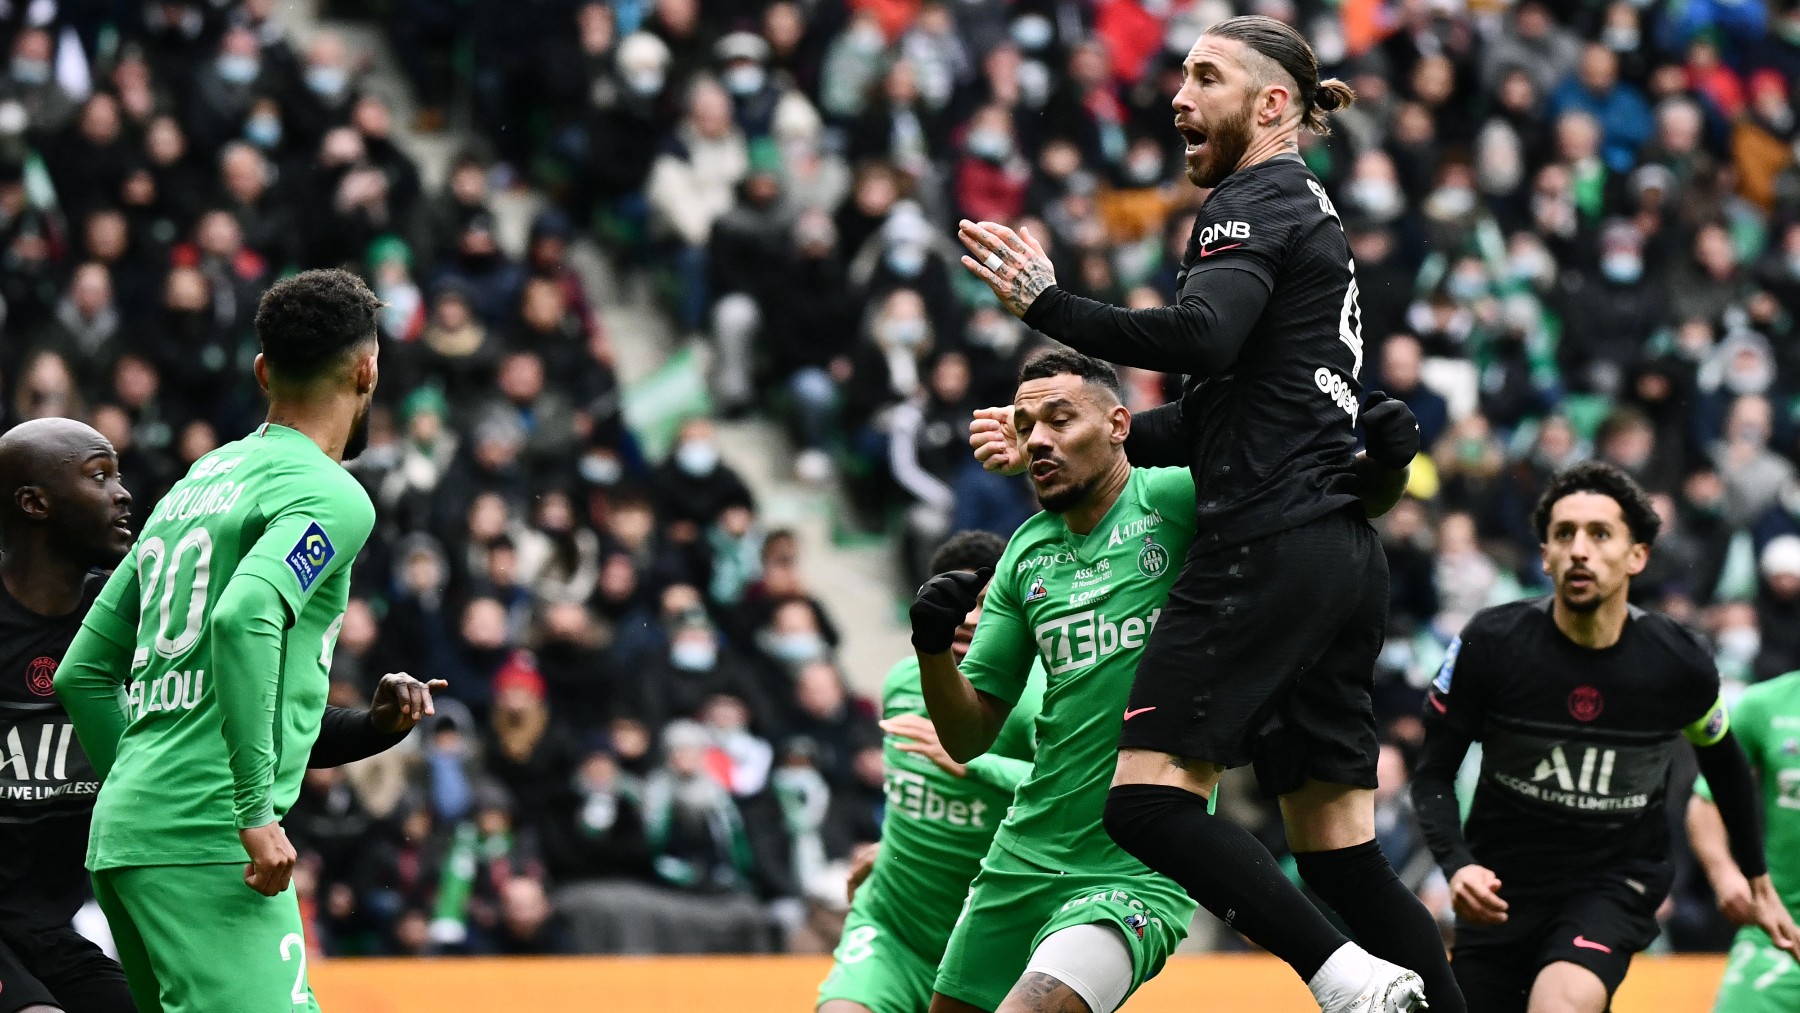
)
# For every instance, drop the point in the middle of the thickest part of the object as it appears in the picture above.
(348, 734)
(1159, 438)
(1199, 335)
(1434, 795)
(1727, 772)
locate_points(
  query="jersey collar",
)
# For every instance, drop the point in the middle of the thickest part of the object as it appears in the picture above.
(1130, 497)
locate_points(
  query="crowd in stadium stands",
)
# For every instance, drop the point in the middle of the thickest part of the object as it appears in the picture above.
(1576, 228)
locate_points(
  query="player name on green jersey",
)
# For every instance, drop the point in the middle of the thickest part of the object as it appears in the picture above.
(270, 507)
(1085, 606)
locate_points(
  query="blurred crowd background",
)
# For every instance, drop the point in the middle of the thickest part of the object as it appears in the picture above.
(1576, 228)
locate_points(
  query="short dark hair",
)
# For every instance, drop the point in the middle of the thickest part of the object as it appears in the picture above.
(968, 550)
(306, 321)
(1067, 361)
(1602, 479)
(1282, 44)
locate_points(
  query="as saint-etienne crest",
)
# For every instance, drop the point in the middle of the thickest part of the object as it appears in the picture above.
(1153, 559)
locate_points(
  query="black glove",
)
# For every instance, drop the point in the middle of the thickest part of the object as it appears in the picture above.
(943, 603)
(1390, 432)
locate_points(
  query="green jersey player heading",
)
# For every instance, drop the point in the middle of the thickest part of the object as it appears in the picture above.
(198, 680)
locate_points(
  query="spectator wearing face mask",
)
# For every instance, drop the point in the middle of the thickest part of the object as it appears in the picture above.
(792, 638)
(991, 177)
(697, 836)
(1607, 319)
(1742, 363)
(908, 253)
(693, 487)
(598, 833)
(30, 78)
(695, 667)
(1753, 474)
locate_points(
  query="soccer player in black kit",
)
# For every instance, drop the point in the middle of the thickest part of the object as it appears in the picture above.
(64, 518)
(1265, 653)
(1578, 700)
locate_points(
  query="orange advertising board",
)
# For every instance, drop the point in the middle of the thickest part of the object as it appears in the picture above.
(1214, 984)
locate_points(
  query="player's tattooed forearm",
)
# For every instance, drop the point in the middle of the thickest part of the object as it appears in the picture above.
(1039, 993)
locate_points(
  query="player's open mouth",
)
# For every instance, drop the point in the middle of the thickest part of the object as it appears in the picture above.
(1579, 578)
(1041, 470)
(123, 523)
(1195, 138)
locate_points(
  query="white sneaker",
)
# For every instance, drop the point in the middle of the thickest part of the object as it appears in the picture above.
(1390, 988)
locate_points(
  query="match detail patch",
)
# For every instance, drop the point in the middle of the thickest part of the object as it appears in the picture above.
(309, 555)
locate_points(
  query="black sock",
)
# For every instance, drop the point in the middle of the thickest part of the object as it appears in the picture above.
(1387, 919)
(1225, 870)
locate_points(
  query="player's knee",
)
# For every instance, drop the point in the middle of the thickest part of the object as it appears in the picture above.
(1078, 969)
(1565, 987)
(39, 1008)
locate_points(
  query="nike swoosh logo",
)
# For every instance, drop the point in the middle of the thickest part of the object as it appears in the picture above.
(1141, 710)
(1439, 704)
(1589, 944)
(1204, 252)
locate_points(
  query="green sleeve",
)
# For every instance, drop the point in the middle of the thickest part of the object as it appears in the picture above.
(247, 624)
(91, 679)
(1172, 492)
(1001, 772)
(315, 533)
(999, 659)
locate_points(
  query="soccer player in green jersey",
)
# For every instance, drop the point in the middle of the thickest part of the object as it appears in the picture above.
(941, 818)
(1759, 977)
(198, 680)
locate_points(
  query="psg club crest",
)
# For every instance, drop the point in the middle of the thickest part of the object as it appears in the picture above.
(1153, 559)
(1136, 923)
(40, 675)
(1585, 703)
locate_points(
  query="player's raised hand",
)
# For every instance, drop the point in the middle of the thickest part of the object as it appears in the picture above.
(1772, 916)
(941, 606)
(402, 701)
(862, 862)
(1390, 432)
(1475, 894)
(995, 441)
(1013, 264)
(272, 858)
(921, 739)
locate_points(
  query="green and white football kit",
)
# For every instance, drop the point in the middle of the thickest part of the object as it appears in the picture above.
(1758, 977)
(1084, 606)
(199, 712)
(938, 828)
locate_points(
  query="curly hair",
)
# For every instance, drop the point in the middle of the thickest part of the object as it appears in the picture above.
(1602, 479)
(968, 550)
(1068, 362)
(306, 321)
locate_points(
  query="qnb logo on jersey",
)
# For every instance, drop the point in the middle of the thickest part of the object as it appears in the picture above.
(1338, 390)
(1083, 639)
(1586, 786)
(173, 691)
(912, 795)
(1221, 232)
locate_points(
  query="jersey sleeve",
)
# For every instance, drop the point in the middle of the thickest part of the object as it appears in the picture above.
(1171, 491)
(309, 536)
(1241, 226)
(999, 659)
(1452, 696)
(1705, 718)
(91, 678)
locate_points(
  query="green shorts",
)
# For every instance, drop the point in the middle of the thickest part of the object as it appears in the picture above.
(875, 968)
(1014, 904)
(1758, 977)
(194, 938)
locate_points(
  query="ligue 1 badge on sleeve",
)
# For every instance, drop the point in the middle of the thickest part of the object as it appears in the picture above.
(1153, 559)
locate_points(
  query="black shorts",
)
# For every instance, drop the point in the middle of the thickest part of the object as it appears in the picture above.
(1598, 926)
(59, 967)
(1265, 654)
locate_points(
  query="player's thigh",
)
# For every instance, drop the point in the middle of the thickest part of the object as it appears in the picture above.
(1325, 732)
(1562, 987)
(1495, 965)
(134, 956)
(214, 942)
(1598, 928)
(20, 988)
(874, 970)
(81, 976)
(1758, 977)
(1124, 928)
(1078, 969)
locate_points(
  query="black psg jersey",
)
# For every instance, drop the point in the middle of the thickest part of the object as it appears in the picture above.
(1576, 744)
(47, 786)
(1274, 440)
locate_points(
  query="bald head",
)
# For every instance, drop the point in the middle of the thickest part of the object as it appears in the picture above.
(60, 479)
